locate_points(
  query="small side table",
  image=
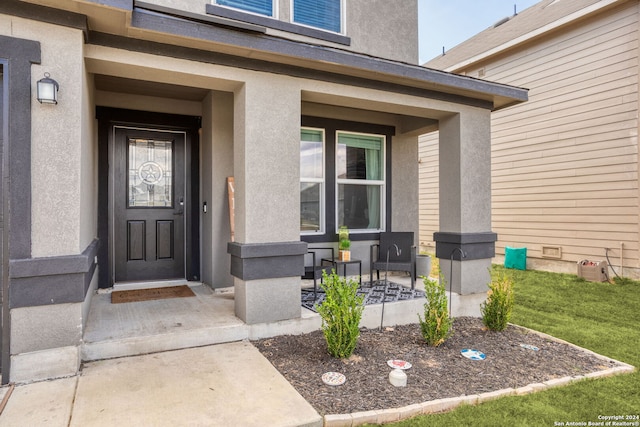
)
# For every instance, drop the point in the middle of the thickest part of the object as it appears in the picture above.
(344, 264)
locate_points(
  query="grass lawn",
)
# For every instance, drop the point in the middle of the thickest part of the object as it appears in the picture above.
(602, 317)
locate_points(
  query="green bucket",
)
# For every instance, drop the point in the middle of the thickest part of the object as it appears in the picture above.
(515, 258)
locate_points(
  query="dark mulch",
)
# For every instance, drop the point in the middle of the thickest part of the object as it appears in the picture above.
(436, 373)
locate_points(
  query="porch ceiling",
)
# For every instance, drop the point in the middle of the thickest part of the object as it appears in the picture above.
(148, 88)
(404, 123)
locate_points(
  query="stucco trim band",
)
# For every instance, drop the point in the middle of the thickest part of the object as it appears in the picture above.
(474, 245)
(52, 280)
(253, 261)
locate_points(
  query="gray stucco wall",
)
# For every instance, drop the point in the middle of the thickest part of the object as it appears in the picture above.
(217, 165)
(57, 145)
(384, 28)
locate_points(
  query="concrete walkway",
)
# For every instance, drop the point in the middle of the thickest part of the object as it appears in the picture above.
(219, 385)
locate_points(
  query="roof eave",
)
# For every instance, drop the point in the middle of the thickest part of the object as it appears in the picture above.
(334, 60)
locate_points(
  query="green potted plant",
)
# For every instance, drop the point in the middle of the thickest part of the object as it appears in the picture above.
(344, 244)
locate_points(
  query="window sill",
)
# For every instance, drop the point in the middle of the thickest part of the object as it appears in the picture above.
(275, 24)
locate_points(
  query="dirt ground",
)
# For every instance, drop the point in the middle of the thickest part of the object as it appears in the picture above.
(435, 373)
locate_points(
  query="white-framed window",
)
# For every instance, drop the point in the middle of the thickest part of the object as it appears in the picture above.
(323, 14)
(312, 181)
(259, 7)
(360, 181)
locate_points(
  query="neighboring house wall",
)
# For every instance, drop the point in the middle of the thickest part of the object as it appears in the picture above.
(565, 164)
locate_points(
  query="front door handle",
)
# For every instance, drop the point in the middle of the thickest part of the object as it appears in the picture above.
(180, 207)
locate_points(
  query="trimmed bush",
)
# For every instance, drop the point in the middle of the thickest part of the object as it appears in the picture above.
(497, 309)
(341, 312)
(436, 326)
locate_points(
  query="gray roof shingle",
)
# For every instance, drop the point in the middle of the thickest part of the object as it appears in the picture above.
(535, 17)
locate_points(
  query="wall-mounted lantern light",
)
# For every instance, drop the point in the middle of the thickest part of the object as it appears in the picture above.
(47, 90)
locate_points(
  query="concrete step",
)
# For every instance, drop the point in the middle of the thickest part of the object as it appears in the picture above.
(130, 329)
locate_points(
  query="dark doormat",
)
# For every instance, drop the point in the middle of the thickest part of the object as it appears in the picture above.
(136, 295)
(375, 294)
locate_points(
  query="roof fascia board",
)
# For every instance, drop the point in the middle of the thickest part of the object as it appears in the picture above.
(582, 13)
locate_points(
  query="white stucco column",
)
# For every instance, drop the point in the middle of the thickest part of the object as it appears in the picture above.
(465, 201)
(267, 257)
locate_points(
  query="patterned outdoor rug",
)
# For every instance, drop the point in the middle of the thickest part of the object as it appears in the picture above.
(372, 294)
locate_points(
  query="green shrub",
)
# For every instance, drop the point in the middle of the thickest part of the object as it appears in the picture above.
(436, 326)
(340, 312)
(496, 310)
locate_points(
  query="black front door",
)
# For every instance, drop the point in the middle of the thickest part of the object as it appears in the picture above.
(149, 196)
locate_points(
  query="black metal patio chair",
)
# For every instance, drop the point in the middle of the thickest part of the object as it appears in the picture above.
(315, 270)
(395, 252)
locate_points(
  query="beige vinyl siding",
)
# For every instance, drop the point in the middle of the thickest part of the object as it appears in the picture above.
(428, 190)
(564, 164)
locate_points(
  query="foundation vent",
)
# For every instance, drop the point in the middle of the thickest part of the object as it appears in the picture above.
(552, 252)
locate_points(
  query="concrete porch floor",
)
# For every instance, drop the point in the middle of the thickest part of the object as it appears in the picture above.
(130, 329)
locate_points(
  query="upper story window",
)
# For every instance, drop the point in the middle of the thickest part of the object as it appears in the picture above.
(323, 14)
(261, 7)
(318, 19)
